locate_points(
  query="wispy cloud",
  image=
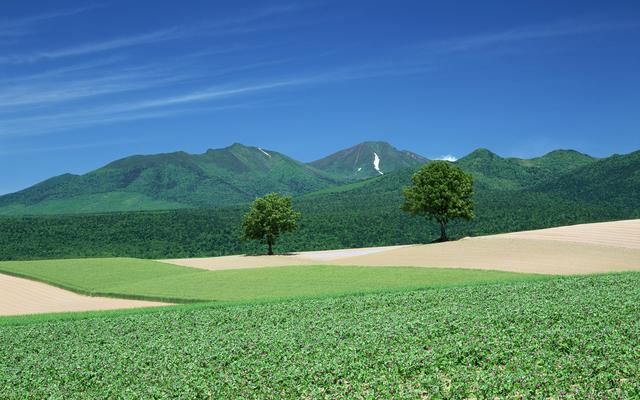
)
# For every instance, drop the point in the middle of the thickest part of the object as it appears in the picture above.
(67, 121)
(62, 72)
(37, 100)
(23, 26)
(368, 70)
(231, 26)
(40, 91)
(35, 122)
(545, 31)
(210, 94)
(97, 47)
(158, 107)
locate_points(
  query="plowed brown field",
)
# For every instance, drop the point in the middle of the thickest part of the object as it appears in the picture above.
(22, 296)
(577, 249)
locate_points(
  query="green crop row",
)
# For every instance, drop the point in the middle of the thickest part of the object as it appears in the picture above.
(573, 337)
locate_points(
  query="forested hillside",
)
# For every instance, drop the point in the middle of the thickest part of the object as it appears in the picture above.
(219, 177)
(496, 172)
(365, 213)
(613, 182)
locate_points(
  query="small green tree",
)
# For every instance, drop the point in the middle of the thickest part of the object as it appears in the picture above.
(442, 191)
(268, 217)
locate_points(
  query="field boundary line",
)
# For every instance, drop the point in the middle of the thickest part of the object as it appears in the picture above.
(88, 293)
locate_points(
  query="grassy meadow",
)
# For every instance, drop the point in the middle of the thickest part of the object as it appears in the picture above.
(570, 337)
(144, 279)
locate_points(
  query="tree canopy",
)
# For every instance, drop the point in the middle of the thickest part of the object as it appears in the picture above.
(442, 191)
(268, 217)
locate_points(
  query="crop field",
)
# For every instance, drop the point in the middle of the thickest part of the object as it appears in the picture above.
(143, 279)
(569, 337)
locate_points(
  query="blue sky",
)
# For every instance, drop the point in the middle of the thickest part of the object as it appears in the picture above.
(83, 83)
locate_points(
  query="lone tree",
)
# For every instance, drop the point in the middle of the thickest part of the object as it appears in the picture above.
(442, 191)
(268, 217)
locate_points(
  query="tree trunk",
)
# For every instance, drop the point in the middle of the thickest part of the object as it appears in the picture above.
(443, 232)
(270, 243)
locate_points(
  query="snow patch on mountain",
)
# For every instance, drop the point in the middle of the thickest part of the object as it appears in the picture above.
(376, 163)
(264, 152)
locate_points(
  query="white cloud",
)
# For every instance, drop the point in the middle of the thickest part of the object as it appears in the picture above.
(545, 31)
(447, 157)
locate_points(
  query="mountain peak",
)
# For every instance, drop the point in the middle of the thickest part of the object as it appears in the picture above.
(479, 154)
(565, 153)
(237, 145)
(562, 160)
(367, 159)
(374, 143)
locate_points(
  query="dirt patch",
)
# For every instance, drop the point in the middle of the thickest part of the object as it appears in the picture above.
(506, 254)
(302, 258)
(578, 249)
(615, 234)
(22, 296)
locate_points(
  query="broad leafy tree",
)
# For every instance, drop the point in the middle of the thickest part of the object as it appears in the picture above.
(268, 217)
(442, 191)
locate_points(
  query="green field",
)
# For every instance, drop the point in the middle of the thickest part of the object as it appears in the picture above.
(144, 279)
(574, 338)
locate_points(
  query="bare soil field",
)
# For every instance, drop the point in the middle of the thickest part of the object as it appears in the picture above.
(578, 249)
(302, 258)
(22, 296)
(617, 234)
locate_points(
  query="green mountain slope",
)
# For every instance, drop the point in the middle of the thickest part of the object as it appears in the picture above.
(219, 177)
(563, 186)
(367, 160)
(611, 182)
(364, 213)
(496, 172)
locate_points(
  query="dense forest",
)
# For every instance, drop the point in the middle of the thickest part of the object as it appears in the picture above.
(328, 221)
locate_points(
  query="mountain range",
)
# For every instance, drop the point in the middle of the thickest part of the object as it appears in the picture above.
(238, 174)
(181, 205)
(218, 177)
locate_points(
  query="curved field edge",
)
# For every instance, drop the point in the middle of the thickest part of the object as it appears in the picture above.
(91, 271)
(568, 337)
(91, 293)
(27, 319)
(160, 282)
